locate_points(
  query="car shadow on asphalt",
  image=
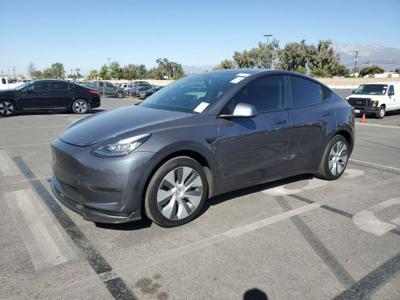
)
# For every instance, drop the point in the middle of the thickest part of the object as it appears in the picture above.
(145, 222)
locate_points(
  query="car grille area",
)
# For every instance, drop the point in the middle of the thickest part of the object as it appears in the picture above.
(359, 102)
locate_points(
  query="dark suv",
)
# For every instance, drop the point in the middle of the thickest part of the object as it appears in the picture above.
(48, 95)
(107, 89)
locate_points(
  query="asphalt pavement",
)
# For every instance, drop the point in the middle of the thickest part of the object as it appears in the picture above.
(300, 238)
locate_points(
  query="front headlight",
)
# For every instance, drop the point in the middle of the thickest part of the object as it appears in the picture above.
(374, 102)
(122, 147)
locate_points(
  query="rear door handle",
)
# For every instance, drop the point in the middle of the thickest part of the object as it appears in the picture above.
(326, 114)
(281, 122)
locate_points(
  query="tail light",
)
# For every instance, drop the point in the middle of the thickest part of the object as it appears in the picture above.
(92, 91)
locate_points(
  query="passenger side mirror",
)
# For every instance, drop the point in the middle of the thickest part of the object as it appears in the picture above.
(390, 93)
(242, 110)
(353, 91)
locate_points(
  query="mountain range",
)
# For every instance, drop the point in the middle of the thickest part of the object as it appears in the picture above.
(386, 57)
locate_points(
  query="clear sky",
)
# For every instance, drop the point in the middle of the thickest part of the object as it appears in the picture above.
(82, 34)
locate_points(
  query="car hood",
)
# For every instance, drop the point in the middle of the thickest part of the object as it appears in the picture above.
(360, 96)
(7, 92)
(106, 125)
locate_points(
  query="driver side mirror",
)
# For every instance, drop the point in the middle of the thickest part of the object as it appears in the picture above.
(390, 93)
(242, 110)
(353, 91)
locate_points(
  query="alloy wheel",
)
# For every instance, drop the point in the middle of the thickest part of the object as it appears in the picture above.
(6, 108)
(179, 193)
(338, 158)
(81, 106)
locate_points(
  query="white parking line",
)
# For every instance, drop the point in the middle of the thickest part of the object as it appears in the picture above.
(46, 142)
(28, 128)
(377, 125)
(218, 238)
(374, 165)
(7, 166)
(40, 234)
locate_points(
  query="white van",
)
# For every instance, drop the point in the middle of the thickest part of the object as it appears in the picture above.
(7, 83)
(376, 98)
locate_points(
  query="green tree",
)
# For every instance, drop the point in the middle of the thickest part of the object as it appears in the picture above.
(324, 61)
(263, 55)
(225, 64)
(243, 59)
(115, 70)
(374, 69)
(93, 75)
(31, 69)
(166, 69)
(301, 69)
(57, 71)
(48, 73)
(36, 74)
(104, 73)
(294, 55)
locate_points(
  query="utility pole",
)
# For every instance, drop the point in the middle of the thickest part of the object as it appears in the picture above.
(355, 62)
(268, 35)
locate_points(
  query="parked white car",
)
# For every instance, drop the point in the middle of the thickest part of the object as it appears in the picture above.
(376, 98)
(9, 83)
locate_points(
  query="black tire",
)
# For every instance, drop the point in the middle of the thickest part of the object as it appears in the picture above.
(80, 106)
(323, 171)
(380, 114)
(120, 95)
(152, 210)
(7, 108)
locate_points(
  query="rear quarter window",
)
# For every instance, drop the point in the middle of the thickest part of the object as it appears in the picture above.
(306, 92)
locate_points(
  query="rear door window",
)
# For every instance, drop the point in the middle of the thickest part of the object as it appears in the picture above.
(305, 92)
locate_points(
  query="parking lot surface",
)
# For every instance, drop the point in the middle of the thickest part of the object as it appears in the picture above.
(300, 238)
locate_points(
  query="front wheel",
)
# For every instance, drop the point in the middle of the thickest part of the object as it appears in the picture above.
(7, 108)
(80, 106)
(334, 160)
(120, 95)
(380, 114)
(176, 192)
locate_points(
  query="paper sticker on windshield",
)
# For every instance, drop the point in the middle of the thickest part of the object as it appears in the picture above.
(201, 107)
(243, 74)
(237, 79)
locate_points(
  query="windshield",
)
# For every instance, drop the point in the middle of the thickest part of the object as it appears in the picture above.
(371, 89)
(191, 94)
(20, 87)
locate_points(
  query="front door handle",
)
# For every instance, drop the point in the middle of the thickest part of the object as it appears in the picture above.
(326, 114)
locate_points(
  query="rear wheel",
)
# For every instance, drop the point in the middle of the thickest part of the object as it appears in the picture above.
(176, 192)
(7, 108)
(334, 160)
(80, 106)
(380, 114)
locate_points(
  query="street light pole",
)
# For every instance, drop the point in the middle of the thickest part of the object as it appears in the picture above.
(267, 36)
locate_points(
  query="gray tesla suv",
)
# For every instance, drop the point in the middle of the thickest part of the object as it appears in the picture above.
(201, 136)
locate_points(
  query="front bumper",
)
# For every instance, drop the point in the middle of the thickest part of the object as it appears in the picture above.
(86, 212)
(365, 109)
(103, 190)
